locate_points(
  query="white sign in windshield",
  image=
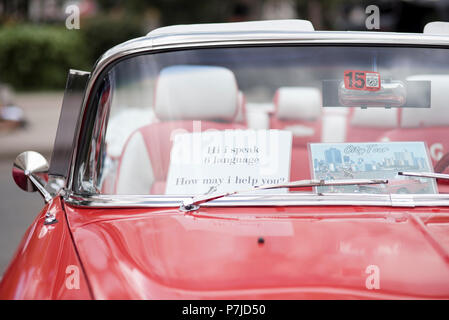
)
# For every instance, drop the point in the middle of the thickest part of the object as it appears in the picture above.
(229, 160)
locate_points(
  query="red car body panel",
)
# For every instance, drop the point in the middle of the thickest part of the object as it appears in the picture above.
(38, 269)
(308, 252)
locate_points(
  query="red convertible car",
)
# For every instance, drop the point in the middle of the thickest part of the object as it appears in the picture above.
(229, 161)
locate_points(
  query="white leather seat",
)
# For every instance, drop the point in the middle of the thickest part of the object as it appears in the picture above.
(186, 92)
(298, 109)
(135, 174)
(438, 114)
(430, 125)
(183, 95)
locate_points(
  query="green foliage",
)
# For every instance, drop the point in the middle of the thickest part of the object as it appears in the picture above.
(103, 32)
(35, 57)
(39, 57)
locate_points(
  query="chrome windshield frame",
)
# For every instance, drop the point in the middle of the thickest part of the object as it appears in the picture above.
(262, 200)
(146, 45)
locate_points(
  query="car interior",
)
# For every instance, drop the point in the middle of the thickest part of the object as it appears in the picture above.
(181, 103)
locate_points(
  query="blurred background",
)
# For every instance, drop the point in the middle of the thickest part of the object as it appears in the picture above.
(37, 50)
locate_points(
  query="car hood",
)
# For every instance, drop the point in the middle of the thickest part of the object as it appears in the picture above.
(252, 253)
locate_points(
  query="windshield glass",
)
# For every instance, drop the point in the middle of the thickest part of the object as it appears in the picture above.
(199, 121)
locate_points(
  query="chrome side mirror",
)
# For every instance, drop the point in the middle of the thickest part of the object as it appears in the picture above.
(29, 172)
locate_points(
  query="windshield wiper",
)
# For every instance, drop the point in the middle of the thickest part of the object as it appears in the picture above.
(425, 175)
(195, 202)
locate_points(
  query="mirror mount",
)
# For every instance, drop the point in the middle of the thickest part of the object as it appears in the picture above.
(30, 173)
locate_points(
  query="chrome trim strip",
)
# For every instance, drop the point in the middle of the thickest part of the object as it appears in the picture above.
(402, 200)
(192, 204)
(291, 199)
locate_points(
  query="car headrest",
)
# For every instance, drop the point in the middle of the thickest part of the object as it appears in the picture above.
(439, 97)
(190, 92)
(298, 103)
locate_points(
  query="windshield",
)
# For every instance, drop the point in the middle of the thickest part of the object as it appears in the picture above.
(199, 121)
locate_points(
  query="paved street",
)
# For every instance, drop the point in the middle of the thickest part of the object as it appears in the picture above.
(18, 208)
(42, 112)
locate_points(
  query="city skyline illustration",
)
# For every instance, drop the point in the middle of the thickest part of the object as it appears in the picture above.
(371, 156)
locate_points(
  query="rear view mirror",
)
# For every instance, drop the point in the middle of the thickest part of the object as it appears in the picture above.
(392, 94)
